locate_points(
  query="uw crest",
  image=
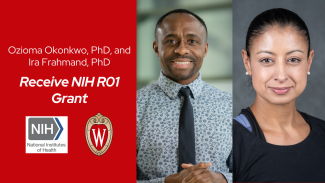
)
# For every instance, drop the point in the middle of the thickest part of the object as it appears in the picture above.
(99, 133)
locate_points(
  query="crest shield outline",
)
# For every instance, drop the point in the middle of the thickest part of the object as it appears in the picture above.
(99, 119)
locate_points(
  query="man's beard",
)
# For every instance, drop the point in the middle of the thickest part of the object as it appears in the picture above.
(181, 76)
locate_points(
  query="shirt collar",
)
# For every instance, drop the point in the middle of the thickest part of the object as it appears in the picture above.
(171, 88)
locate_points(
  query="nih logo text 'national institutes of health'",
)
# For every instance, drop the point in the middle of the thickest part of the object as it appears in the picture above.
(45, 134)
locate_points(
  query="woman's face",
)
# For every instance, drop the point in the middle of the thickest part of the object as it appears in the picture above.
(278, 64)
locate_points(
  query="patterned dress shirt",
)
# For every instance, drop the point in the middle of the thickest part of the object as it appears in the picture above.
(158, 110)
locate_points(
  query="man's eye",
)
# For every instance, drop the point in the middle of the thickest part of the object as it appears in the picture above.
(266, 60)
(294, 60)
(171, 41)
(192, 41)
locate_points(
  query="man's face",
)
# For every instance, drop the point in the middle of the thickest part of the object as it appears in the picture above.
(181, 46)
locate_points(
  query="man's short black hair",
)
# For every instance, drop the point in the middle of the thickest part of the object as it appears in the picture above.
(180, 11)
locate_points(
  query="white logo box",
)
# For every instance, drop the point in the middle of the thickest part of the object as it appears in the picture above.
(46, 134)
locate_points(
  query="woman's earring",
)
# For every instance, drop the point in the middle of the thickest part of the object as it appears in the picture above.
(308, 73)
(246, 73)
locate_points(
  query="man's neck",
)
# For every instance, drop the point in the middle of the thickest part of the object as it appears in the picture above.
(185, 81)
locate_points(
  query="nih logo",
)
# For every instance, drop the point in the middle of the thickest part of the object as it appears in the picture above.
(44, 128)
(46, 134)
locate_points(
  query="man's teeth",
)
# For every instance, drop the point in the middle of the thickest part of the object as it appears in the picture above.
(182, 63)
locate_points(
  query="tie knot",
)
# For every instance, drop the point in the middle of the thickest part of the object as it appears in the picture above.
(185, 92)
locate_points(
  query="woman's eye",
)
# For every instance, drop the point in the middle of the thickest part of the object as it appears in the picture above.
(294, 60)
(266, 60)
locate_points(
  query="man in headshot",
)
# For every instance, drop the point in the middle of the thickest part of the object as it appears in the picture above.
(184, 129)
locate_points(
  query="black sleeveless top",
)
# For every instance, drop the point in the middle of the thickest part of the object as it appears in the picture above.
(255, 160)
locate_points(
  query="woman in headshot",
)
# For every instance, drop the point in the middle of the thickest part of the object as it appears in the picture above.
(273, 142)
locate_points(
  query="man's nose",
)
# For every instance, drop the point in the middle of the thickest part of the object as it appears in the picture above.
(182, 48)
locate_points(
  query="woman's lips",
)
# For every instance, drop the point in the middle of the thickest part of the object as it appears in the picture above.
(280, 90)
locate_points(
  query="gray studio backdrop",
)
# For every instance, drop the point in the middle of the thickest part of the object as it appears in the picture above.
(312, 100)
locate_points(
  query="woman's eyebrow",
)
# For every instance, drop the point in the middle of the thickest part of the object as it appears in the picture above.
(294, 51)
(264, 51)
(269, 52)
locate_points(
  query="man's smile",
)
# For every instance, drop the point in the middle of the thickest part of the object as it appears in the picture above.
(181, 63)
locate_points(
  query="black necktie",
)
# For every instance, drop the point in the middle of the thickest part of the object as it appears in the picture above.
(186, 142)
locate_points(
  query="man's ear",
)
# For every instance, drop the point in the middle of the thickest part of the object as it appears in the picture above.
(246, 61)
(155, 48)
(206, 48)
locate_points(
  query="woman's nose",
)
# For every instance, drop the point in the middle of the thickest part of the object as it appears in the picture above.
(280, 73)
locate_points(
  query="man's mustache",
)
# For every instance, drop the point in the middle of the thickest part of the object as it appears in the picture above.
(181, 56)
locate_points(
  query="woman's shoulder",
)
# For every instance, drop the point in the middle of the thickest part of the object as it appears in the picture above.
(315, 118)
(242, 131)
(318, 123)
(244, 119)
